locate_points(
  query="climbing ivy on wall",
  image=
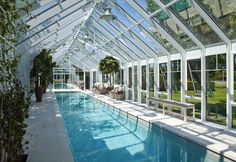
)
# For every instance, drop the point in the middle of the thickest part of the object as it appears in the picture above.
(14, 102)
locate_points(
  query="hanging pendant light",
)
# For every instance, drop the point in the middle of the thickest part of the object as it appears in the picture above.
(108, 16)
(86, 38)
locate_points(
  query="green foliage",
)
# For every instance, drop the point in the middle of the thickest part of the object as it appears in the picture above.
(43, 68)
(109, 65)
(14, 109)
(151, 6)
(13, 101)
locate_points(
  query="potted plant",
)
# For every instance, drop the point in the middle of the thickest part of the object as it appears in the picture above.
(109, 65)
(42, 72)
(35, 73)
(47, 69)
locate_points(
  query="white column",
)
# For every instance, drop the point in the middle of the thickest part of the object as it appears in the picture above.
(203, 85)
(156, 74)
(168, 77)
(139, 81)
(183, 77)
(147, 79)
(230, 84)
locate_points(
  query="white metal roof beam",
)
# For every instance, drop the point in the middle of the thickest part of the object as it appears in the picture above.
(118, 46)
(56, 10)
(136, 53)
(179, 23)
(107, 34)
(57, 31)
(147, 49)
(210, 22)
(127, 15)
(116, 53)
(165, 34)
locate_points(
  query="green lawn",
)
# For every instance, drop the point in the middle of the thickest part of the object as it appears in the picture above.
(216, 105)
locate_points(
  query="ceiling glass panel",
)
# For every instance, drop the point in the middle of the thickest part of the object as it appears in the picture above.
(150, 7)
(118, 42)
(126, 8)
(176, 32)
(170, 26)
(157, 35)
(223, 12)
(185, 12)
(134, 17)
(135, 42)
(123, 22)
(114, 46)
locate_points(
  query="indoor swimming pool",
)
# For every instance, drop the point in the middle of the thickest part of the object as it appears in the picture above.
(62, 86)
(97, 132)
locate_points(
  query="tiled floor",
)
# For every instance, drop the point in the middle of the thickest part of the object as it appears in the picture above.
(46, 133)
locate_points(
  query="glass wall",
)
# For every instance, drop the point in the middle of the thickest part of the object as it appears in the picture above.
(143, 84)
(135, 84)
(151, 80)
(234, 107)
(223, 12)
(122, 77)
(190, 17)
(175, 80)
(194, 84)
(130, 84)
(94, 77)
(234, 116)
(87, 80)
(117, 77)
(163, 80)
(216, 88)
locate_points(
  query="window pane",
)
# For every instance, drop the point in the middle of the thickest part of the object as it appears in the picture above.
(223, 12)
(151, 80)
(130, 77)
(158, 36)
(175, 80)
(196, 24)
(216, 91)
(163, 79)
(194, 84)
(143, 97)
(144, 77)
(135, 84)
(234, 116)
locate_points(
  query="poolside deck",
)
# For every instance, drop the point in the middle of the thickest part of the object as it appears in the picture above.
(45, 132)
(48, 139)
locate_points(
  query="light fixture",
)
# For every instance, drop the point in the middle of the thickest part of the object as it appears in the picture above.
(86, 38)
(108, 16)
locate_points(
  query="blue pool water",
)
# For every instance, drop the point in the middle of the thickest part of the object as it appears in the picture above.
(61, 86)
(99, 133)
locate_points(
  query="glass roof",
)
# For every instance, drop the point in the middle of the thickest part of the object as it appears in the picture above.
(223, 13)
(142, 29)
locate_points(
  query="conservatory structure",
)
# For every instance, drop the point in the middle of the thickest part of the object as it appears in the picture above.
(178, 50)
(182, 50)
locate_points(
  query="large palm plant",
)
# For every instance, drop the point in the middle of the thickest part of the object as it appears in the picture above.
(109, 65)
(42, 71)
